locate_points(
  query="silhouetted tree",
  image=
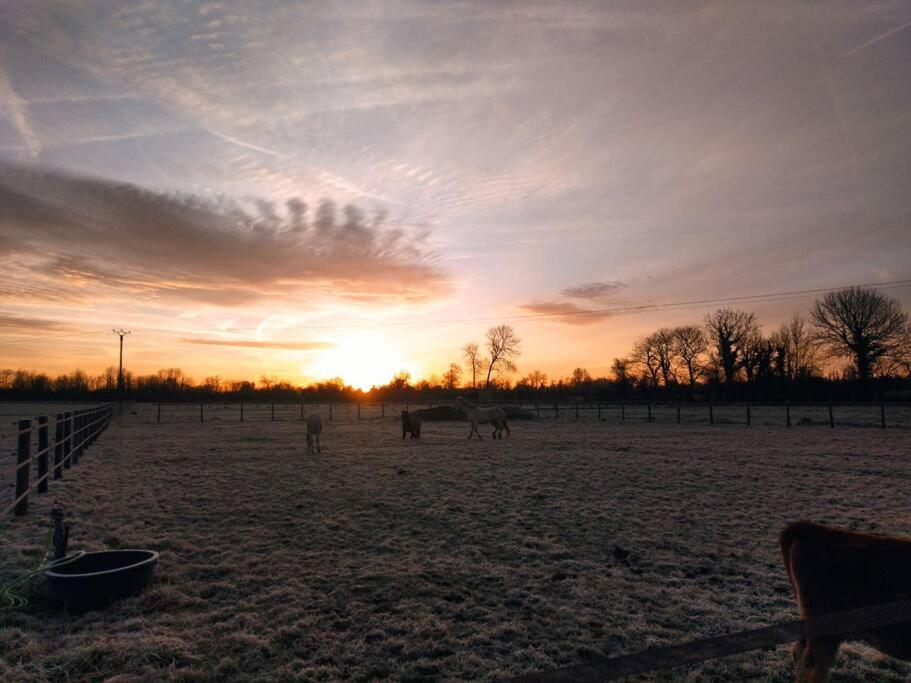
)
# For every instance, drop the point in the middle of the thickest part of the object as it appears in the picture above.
(729, 331)
(645, 355)
(581, 377)
(663, 344)
(690, 345)
(473, 359)
(502, 348)
(861, 324)
(796, 350)
(452, 375)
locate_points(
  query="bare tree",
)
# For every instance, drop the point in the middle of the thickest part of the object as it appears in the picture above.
(690, 345)
(452, 376)
(213, 384)
(581, 377)
(6, 378)
(645, 355)
(757, 356)
(663, 344)
(535, 379)
(502, 347)
(619, 371)
(729, 331)
(796, 349)
(861, 324)
(900, 357)
(475, 363)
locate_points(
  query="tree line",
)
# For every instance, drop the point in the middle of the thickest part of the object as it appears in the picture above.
(729, 357)
(725, 357)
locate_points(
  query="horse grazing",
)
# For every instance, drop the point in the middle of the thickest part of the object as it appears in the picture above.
(833, 570)
(411, 424)
(314, 429)
(477, 415)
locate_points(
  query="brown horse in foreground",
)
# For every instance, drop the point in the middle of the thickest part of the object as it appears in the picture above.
(833, 570)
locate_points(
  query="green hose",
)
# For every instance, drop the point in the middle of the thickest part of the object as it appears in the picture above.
(9, 599)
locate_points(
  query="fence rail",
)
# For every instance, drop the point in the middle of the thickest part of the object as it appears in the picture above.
(786, 414)
(74, 431)
(668, 657)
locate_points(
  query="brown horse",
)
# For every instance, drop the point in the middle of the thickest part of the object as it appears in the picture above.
(833, 570)
(411, 423)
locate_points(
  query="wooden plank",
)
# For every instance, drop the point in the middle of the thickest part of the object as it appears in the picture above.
(668, 657)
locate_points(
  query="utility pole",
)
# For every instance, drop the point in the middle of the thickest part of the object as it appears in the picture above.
(121, 334)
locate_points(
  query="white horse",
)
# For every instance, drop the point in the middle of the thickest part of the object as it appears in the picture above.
(314, 429)
(477, 415)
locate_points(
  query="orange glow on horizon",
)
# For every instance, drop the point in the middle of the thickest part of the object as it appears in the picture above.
(362, 360)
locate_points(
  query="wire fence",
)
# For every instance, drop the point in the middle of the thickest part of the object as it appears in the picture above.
(832, 415)
(39, 456)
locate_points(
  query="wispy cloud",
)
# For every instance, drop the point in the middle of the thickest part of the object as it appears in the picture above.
(17, 110)
(254, 344)
(565, 312)
(599, 291)
(874, 40)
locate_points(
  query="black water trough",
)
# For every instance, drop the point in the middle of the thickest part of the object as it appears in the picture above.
(97, 579)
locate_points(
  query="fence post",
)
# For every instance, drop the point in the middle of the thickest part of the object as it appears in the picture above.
(42, 454)
(711, 414)
(201, 419)
(358, 410)
(882, 414)
(650, 412)
(23, 453)
(158, 419)
(749, 418)
(273, 411)
(831, 417)
(678, 415)
(787, 412)
(67, 440)
(383, 408)
(58, 446)
(241, 411)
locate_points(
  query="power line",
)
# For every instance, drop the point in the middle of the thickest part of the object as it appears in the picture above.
(748, 298)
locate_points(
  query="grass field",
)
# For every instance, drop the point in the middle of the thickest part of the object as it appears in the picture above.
(443, 558)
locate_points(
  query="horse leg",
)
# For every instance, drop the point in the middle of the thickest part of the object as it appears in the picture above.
(319, 449)
(814, 658)
(508, 432)
(309, 443)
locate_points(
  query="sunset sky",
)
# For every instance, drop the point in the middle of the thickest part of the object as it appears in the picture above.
(168, 167)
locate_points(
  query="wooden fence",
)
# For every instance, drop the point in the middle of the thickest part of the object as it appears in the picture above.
(668, 657)
(785, 414)
(74, 431)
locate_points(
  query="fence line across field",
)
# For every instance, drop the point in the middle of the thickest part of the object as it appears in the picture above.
(670, 656)
(74, 431)
(620, 411)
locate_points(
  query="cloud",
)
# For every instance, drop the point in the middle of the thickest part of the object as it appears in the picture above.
(74, 232)
(19, 324)
(254, 344)
(600, 291)
(565, 312)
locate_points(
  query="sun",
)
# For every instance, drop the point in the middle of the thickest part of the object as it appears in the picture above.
(362, 360)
